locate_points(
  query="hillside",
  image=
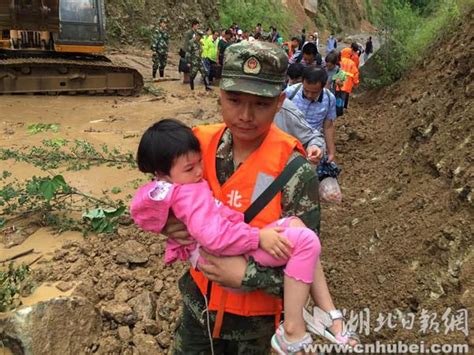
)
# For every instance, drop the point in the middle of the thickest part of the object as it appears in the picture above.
(401, 242)
(132, 21)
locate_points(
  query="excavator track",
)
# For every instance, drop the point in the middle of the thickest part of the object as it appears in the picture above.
(31, 74)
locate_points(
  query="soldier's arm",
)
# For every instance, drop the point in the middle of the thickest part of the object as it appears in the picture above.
(257, 277)
(153, 42)
(300, 198)
(189, 54)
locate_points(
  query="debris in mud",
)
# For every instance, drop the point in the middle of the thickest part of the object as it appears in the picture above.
(27, 326)
(14, 235)
(120, 312)
(153, 90)
(132, 252)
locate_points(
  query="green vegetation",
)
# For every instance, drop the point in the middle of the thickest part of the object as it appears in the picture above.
(50, 199)
(43, 127)
(54, 203)
(247, 13)
(409, 28)
(73, 155)
(15, 281)
(327, 18)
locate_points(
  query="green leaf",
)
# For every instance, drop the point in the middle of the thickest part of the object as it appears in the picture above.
(59, 181)
(114, 212)
(2, 221)
(116, 190)
(97, 213)
(48, 189)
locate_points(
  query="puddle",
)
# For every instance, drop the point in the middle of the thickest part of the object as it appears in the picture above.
(43, 241)
(43, 293)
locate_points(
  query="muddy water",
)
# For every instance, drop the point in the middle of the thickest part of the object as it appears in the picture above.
(117, 122)
(43, 293)
(43, 242)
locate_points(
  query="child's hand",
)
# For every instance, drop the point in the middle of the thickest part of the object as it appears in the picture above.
(274, 243)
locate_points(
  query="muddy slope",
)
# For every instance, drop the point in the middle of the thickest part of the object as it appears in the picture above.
(402, 239)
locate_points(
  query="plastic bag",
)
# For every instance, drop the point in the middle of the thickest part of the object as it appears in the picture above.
(329, 190)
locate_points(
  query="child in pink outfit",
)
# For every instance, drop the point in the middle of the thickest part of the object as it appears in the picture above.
(217, 228)
(170, 151)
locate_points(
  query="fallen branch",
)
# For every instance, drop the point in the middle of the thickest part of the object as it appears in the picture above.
(35, 260)
(16, 256)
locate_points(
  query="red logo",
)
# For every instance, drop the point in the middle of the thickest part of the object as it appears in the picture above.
(252, 63)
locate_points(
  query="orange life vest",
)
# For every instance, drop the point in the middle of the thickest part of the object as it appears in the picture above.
(269, 159)
(352, 72)
(349, 53)
(290, 49)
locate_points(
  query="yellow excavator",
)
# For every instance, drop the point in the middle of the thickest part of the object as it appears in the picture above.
(57, 46)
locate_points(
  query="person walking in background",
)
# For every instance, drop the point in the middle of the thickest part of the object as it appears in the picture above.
(309, 56)
(159, 47)
(188, 36)
(332, 59)
(209, 52)
(274, 34)
(369, 49)
(317, 104)
(336, 78)
(295, 73)
(303, 38)
(351, 70)
(352, 53)
(295, 47)
(194, 60)
(222, 45)
(316, 39)
(331, 43)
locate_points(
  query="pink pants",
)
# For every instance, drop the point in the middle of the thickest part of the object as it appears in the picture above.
(304, 256)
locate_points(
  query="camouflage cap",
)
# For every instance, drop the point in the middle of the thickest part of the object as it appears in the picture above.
(256, 68)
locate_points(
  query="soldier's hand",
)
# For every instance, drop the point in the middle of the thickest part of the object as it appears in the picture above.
(176, 230)
(227, 271)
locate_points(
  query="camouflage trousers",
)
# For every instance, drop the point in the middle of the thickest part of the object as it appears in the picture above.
(197, 68)
(159, 60)
(192, 338)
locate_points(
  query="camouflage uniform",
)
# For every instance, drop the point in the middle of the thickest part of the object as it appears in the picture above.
(194, 57)
(188, 36)
(246, 335)
(160, 51)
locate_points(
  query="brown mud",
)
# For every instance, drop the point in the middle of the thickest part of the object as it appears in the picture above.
(400, 243)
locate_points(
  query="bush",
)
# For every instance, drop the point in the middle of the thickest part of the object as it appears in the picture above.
(247, 13)
(407, 32)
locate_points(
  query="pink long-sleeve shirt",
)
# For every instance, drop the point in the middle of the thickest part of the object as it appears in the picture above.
(214, 226)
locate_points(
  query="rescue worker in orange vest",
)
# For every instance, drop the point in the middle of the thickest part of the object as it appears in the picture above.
(352, 76)
(353, 52)
(241, 157)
